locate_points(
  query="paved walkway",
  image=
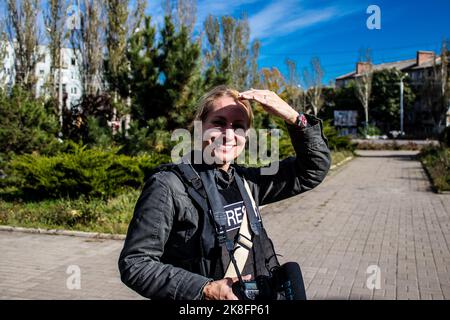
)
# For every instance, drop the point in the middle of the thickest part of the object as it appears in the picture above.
(375, 213)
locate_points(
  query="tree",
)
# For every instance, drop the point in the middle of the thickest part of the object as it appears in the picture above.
(116, 41)
(313, 80)
(240, 62)
(363, 85)
(26, 126)
(179, 65)
(142, 54)
(433, 93)
(227, 52)
(273, 80)
(87, 41)
(4, 44)
(183, 13)
(55, 18)
(343, 98)
(23, 34)
(293, 92)
(254, 73)
(217, 65)
(442, 77)
(164, 75)
(385, 98)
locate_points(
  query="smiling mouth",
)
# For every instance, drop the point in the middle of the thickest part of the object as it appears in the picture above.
(226, 146)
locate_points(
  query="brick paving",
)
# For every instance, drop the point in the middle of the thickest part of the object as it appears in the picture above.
(377, 210)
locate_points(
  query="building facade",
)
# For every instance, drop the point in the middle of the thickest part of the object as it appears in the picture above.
(425, 118)
(71, 84)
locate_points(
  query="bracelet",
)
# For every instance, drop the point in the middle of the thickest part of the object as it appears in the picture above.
(301, 120)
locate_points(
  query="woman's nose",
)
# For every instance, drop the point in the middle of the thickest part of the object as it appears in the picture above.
(229, 134)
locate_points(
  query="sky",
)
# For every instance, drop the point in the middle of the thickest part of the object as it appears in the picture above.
(334, 31)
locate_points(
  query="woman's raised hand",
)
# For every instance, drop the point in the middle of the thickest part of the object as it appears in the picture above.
(272, 103)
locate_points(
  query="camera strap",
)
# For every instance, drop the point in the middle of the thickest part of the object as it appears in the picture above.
(243, 244)
(239, 251)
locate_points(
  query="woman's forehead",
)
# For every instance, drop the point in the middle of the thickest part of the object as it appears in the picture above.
(228, 106)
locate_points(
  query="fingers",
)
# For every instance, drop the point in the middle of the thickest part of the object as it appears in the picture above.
(247, 277)
(254, 92)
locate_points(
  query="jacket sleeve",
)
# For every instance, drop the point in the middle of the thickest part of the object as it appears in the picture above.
(139, 262)
(295, 174)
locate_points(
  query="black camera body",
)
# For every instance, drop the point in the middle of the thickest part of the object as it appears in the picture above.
(284, 283)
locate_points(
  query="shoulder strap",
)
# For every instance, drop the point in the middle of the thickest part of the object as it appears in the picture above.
(191, 177)
(249, 203)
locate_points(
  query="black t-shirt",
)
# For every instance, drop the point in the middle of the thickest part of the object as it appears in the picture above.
(234, 209)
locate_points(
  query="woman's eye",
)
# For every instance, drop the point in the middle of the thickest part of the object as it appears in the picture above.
(220, 123)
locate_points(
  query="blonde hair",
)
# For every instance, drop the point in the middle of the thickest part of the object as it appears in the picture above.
(207, 102)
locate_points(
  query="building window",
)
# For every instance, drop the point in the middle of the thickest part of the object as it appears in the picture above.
(64, 88)
(41, 72)
(75, 90)
(73, 61)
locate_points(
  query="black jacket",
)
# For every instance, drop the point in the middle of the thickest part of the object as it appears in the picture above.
(166, 224)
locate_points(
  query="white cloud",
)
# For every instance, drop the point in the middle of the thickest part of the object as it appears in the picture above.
(219, 8)
(262, 24)
(283, 17)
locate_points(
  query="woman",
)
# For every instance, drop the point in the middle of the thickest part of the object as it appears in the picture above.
(175, 247)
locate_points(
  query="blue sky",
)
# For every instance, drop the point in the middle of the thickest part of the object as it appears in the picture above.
(335, 31)
(332, 30)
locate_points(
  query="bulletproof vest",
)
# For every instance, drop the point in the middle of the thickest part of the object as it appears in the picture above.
(210, 253)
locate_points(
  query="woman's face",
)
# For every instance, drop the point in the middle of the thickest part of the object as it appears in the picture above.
(224, 130)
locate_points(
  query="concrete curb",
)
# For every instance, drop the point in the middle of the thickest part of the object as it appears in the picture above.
(341, 163)
(59, 232)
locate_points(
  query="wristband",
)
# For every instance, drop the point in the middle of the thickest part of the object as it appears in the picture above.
(301, 120)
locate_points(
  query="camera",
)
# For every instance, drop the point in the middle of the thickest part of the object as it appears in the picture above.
(284, 283)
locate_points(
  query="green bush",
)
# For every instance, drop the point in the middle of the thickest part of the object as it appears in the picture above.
(25, 125)
(371, 130)
(436, 161)
(336, 142)
(92, 173)
(444, 137)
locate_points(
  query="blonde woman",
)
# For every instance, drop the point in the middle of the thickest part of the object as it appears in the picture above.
(192, 219)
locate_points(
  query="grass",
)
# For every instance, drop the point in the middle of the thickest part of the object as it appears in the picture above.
(436, 161)
(338, 156)
(95, 215)
(111, 216)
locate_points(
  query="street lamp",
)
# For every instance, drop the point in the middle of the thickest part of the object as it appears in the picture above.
(401, 103)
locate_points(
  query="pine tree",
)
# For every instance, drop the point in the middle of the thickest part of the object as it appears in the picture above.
(142, 54)
(26, 125)
(179, 60)
(165, 76)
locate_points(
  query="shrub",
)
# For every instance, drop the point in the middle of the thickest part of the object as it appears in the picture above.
(444, 137)
(371, 130)
(92, 173)
(25, 125)
(336, 142)
(436, 161)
